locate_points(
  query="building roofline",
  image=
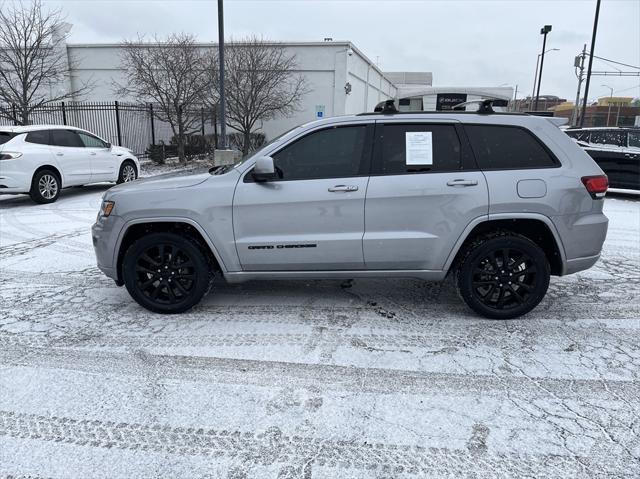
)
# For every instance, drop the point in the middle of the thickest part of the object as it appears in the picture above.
(335, 43)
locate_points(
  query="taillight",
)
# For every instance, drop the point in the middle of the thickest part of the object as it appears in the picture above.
(10, 155)
(596, 185)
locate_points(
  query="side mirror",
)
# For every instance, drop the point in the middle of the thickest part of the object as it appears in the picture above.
(109, 146)
(264, 169)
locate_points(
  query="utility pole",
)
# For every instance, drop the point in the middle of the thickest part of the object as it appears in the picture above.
(591, 53)
(543, 31)
(223, 121)
(610, 99)
(578, 63)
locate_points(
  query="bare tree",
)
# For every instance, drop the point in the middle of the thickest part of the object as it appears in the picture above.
(174, 74)
(260, 84)
(33, 60)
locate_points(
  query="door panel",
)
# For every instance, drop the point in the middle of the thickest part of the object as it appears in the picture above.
(104, 164)
(71, 156)
(311, 216)
(419, 199)
(299, 225)
(413, 221)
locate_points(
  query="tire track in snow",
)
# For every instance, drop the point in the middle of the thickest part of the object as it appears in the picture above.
(272, 446)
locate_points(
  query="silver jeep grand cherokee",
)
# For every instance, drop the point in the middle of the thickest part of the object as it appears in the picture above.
(502, 201)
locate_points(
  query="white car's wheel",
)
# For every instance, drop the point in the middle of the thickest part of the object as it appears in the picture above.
(128, 172)
(45, 187)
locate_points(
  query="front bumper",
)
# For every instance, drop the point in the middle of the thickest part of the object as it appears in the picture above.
(104, 234)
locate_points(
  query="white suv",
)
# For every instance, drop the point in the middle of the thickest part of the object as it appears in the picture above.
(43, 159)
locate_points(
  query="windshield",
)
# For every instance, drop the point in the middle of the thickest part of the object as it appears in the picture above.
(274, 140)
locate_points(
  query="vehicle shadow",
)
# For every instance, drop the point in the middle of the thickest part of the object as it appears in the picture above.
(21, 200)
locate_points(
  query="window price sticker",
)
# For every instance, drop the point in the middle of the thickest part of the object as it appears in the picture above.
(419, 148)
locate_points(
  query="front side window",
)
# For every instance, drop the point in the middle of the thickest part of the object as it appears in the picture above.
(416, 148)
(66, 138)
(331, 153)
(634, 138)
(501, 147)
(40, 137)
(609, 137)
(91, 141)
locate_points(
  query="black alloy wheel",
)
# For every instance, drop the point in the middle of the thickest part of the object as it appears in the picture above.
(503, 277)
(166, 273)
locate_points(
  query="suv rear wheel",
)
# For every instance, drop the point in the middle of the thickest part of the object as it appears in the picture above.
(166, 273)
(503, 275)
(45, 187)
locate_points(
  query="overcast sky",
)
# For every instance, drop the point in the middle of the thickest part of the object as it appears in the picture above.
(472, 42)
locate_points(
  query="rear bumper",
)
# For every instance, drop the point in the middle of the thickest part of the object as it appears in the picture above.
(14, 182)
(580, 264)
(582, 239)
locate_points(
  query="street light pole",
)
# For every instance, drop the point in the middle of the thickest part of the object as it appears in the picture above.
(610, 98)
(593, 46)
(543, 31)
(223, 121)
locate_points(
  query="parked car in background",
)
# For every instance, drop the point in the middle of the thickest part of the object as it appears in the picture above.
(616, 150)
(41, 160)
(501, 201)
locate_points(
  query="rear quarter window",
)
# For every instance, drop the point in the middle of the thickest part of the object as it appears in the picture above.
(502, 147)
(40, 137)
(5, 136)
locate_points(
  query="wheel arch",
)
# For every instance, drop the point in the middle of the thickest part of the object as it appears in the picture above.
(53, 169)
(132, 161)
(538, 228)
(183, 226)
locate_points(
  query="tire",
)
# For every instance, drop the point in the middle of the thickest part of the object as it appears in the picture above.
(45, 187)
(166, 273)
(127, 172)
(503, 293)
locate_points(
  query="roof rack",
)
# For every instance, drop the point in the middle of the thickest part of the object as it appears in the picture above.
(387, 107)
(485, 107)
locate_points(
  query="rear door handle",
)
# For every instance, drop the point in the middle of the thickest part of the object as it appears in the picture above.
(462, 183)
(343, 188)
(93, 153)
(59, 153)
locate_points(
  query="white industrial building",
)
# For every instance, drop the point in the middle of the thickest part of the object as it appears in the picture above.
(341, 80)
(340, 77)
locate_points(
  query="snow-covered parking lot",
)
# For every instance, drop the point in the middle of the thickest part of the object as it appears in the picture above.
(385, 379)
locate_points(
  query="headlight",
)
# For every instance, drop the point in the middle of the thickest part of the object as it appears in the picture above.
(106, 208)
(10, 155)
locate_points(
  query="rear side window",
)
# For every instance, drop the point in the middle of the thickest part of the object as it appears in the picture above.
(40, 137)
(5, 136)
(66, 138)
(416, 148)
(500, 147)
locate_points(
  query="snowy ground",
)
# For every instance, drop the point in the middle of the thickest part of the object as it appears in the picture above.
(312, 380)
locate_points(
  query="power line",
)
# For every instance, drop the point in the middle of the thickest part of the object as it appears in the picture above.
(617, 63)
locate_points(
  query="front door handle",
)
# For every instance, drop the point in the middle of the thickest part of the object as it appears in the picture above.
(59, 153)
(462, 183)
(343, 188)
(93, 153)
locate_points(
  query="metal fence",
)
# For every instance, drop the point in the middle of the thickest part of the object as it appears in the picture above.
(132, 125)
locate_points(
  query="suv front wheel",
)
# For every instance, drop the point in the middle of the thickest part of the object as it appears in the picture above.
(503, 275)
(166, 273)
